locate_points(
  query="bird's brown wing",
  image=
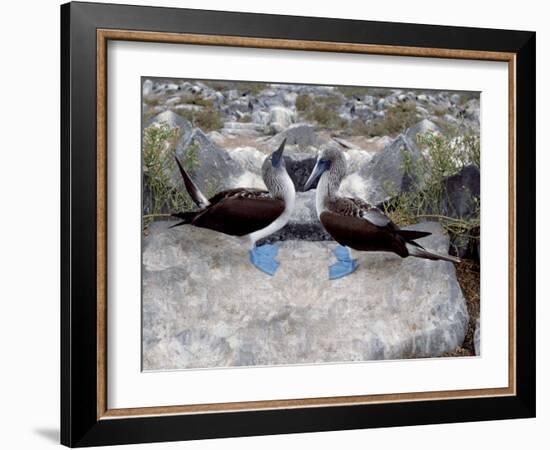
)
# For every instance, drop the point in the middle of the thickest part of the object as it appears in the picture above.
(238, 192)
(355, 207)
(361, 226)
(239, 213)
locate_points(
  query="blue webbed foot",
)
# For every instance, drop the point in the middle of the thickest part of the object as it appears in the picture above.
(263, 258)
(345, 264)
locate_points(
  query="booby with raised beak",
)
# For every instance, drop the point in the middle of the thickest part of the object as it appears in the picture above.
(250, 214)
(356, 224)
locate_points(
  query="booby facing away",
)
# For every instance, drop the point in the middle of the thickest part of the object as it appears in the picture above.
(250, 214)
(355, 223)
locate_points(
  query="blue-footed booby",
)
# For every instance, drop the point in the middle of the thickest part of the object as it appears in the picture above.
(356, 224)
(250, 214)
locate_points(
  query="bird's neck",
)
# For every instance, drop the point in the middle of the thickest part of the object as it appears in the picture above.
(281, 188)
(327, 190)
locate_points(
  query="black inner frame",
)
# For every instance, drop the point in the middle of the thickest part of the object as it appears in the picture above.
(79, 424)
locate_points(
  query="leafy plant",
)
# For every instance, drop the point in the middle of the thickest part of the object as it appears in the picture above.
(159, 149)
(443, 156)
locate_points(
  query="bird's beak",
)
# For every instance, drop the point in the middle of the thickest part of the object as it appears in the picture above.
(277, 155)
(316, 173)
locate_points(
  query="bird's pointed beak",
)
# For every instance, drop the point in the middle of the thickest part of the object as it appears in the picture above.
(316, 173)
(277, 155)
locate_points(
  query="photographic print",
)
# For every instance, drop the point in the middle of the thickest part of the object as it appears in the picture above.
(298, 224)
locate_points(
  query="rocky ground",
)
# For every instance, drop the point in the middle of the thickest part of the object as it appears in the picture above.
(222, 132)
(386, 310)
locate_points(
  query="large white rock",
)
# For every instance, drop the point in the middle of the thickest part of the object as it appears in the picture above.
(204, 305)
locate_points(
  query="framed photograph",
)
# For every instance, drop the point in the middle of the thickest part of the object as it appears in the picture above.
(276, 224)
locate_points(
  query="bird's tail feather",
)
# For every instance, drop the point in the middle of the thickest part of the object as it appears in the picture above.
(186, 217)
(411, 235)
(196, 195)
(421, 252)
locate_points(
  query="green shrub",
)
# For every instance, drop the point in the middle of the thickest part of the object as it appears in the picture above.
(443, 157)
(159, 150)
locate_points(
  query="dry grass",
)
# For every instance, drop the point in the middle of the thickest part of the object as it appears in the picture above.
(398, 118)
(467, 274)
(304, 102)
(250, 87)
(440, 110)
(207, 119)
(322, 110)
(358, 91)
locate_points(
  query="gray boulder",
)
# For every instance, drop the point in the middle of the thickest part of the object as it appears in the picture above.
(456, 99)
(301, 134)
(261, 118)
(204, 305)
(173, 120)
(280, 118)
(239, 106)
(272, 98)
(147, 88)
(187, 108)
(241, 129)
(383, 176)
(471, 110)
(451, 119)
(460, 197)
(424, 126)
(299, 166)
(210, 166)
